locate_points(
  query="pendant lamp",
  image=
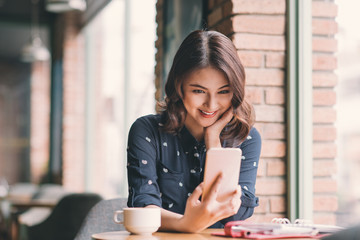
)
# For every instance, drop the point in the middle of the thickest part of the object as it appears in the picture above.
(34, 50)
(59, 6)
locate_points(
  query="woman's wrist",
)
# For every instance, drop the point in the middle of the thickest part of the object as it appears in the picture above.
(187, 226)
(212, 141)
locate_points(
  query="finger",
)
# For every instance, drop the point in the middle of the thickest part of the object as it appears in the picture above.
(225, 118)
(214, 189)
(194, 197)
(230, 195)
(231, 206)
(238, 190)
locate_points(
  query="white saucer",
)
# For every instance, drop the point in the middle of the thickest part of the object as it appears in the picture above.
(121, 235)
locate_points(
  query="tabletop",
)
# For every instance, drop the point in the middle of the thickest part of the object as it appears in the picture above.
(124, 235)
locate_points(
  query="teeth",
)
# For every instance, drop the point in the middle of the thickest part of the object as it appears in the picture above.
(207, 113)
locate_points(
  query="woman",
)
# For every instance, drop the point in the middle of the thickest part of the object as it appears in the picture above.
(204, 107)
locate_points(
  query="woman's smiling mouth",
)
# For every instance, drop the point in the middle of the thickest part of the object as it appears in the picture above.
(207, 114)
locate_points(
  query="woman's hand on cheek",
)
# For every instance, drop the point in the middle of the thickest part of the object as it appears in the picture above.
(200, 215)
(212, 133)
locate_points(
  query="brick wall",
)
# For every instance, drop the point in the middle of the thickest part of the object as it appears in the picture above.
(258, 30)
(73, 102)
(324, 28)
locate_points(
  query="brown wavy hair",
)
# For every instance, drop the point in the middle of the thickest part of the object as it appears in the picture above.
(201, 49)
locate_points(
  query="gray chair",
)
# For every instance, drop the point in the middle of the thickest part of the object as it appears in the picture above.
(350, 233)
(65, 219)
(100, 218)
(48, 193)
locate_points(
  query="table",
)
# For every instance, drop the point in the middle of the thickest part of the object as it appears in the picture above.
(204, 235)
(26, 204)
(21, 205)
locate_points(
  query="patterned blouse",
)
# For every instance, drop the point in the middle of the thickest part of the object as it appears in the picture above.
(164, 169)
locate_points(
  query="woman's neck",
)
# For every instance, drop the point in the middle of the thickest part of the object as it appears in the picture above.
(196, 131)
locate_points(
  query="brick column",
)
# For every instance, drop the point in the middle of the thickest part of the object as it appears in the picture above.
(159, 46)
(74, 109)
(324, 28)
(40, 120)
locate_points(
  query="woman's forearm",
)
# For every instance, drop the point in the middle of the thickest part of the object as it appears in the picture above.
(170, 221)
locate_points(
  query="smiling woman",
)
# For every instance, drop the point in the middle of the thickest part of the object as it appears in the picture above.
(204, 108)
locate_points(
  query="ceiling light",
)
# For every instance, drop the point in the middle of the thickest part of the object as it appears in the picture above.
(59, 6)
(34, 50)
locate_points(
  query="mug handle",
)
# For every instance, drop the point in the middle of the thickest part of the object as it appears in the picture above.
(116, 219)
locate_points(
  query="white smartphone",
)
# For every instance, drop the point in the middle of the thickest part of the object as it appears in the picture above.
(227, 161)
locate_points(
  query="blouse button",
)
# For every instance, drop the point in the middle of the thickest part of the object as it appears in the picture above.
(192, 171)
(165, 170)
(196, 155)
(180, 184)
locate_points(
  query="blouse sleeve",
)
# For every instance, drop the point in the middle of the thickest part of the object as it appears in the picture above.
(141, 165)
(251, 149)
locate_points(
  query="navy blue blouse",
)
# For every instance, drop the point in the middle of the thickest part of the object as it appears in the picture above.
(164, 169)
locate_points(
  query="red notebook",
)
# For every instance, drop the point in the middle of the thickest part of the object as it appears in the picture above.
(277, 229)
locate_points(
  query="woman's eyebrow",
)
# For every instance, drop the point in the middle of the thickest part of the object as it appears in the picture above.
(197, 85)
(227, 85)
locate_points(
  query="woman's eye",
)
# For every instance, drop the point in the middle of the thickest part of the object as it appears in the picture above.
(198, 91)
(224, 92)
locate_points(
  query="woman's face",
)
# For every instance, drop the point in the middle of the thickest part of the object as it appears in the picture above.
(206, 96)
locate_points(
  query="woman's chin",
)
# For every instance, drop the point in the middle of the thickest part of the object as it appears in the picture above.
(206, 124)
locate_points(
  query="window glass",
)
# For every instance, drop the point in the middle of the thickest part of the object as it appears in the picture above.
(181, 18)
(120, 50)
(348, 115)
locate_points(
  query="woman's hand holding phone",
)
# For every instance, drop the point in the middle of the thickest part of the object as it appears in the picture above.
(200, 215)
(212, 133)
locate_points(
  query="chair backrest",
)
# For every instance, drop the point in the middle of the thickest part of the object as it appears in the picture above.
(350, 233)
(100, 218)
(66, 218)
(49, 191)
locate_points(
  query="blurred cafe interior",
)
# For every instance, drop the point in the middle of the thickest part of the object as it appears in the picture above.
(75, 74)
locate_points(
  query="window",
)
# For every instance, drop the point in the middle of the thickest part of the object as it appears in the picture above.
(120, 49)
(348, 116)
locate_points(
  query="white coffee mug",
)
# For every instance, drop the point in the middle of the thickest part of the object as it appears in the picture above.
(144, 221)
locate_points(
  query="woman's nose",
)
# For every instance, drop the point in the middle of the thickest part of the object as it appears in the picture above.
(211, 102)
